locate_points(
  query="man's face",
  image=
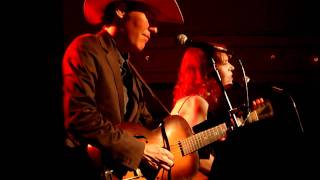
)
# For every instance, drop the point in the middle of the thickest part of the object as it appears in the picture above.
(225, 69)
(138, 30)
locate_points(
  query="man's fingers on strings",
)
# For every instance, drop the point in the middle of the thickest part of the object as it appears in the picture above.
(167, 153)
(165, 166)
(167, 161)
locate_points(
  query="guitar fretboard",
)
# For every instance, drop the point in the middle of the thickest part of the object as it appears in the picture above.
(202, 139)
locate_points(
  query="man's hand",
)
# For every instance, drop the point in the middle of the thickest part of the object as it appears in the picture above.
(157, 157)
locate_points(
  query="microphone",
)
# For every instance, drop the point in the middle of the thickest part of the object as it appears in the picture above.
(185, 41)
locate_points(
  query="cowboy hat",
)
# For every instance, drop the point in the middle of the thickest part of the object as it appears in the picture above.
(165, 10)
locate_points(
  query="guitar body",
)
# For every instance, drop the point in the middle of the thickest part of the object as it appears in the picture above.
(176, 128)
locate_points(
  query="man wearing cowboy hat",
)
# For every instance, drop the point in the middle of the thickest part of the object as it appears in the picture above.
(98, 96)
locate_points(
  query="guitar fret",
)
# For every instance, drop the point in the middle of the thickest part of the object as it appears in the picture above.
(190, 146)
(189, 143)
(185, 147)
(199, 142)
(203, 138)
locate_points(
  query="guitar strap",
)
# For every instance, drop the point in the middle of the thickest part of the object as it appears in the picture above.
(166, 140)
(146, 85)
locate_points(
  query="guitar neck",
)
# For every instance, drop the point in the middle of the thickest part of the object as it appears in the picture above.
(202, 139)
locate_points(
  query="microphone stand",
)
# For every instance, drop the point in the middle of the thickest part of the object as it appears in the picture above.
(247, 103)
(285, 93)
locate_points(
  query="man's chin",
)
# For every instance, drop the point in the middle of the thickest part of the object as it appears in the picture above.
(229, 85)
(139, 48)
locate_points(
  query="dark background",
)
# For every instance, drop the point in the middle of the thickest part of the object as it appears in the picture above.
(277, 41)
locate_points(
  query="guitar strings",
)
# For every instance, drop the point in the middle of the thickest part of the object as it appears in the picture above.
(175, 150)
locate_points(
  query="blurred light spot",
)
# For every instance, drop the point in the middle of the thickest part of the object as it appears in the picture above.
(314, 59)
(147, 58)
(273, 57)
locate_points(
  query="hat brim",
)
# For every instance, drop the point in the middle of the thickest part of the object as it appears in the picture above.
(165, 10)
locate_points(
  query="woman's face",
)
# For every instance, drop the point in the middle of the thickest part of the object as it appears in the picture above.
(225, 69)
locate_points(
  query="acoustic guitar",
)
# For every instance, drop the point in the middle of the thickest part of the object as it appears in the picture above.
(183, 143)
